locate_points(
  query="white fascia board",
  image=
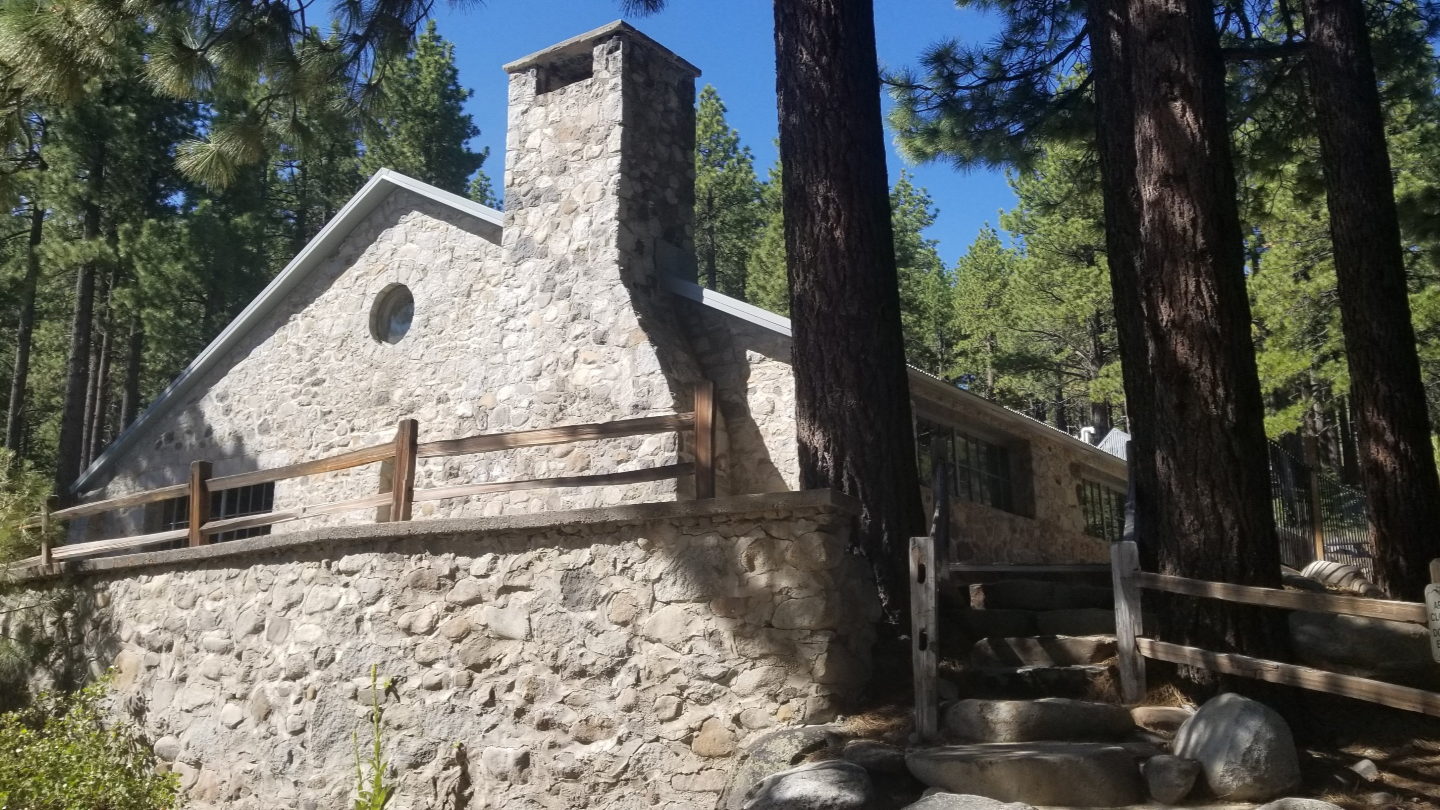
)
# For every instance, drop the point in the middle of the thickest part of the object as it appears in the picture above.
(326, 242)
(730, 306)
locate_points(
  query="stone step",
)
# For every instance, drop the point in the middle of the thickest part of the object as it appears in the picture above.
(1009, 623)
(1077, 774)
(1085, 682)
(1042, 651)
(1014, 721)
(1031, 594)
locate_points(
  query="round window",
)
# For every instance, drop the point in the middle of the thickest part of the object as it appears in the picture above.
(394, 309)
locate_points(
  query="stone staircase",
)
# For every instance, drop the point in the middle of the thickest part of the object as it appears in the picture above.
(1049, 752)
(1027, 637)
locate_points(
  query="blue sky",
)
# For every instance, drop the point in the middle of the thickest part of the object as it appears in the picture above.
(731, 42)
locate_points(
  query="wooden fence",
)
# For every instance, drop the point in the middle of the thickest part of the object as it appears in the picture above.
(400, 494)
(1134, 647)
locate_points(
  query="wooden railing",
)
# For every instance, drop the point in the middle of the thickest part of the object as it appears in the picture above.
(1134, 647)
(401, 494)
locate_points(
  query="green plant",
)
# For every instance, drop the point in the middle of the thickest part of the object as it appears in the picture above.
(372, 793)
(23, 491)
(60, 754)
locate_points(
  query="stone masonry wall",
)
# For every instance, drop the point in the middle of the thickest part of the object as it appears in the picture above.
(1051, 467)
(558, 324)
(755, 394)
(599, 658)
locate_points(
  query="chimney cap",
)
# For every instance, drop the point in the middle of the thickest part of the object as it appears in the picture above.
(586, 41)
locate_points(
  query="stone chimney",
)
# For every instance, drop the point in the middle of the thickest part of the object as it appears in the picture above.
(600, 155)
(599, 201)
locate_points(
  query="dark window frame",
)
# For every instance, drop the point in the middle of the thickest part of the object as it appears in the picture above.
(980, 470)
(258, 499)
(1103, 507)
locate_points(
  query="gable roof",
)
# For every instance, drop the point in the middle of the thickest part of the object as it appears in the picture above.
(384, 183)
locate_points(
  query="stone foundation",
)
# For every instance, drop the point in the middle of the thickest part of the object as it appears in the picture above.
(595, 658)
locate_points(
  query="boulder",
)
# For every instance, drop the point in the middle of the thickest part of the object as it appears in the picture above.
(960, 801)
(1042, 651)
(772, 753)
(1342, 577)
(1041, 773)
(1031, 720)
(1244, 748)
(877, 757)
(1299, 804)
(830, 785)
(1169, 778)
(1162, 720)
(1396, 652)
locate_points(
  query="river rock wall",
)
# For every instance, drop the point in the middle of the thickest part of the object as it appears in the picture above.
(595, 658)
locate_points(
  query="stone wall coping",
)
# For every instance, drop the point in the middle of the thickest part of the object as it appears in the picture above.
(827, 500)
(584, 42)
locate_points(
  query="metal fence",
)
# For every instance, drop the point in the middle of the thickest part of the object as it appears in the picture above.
(1307, 503)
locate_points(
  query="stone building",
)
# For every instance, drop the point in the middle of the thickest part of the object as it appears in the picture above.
(608, 646)
(575, 305)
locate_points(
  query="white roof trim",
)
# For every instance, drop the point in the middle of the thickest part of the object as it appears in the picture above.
(781, 325)
(730, 306)
(326, 242)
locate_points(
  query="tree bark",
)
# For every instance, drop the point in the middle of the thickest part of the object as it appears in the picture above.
(25, 332)
(96, 375)
(77, 366)
(134, 356)
(1201, 463)
(99, 417)
(852, 396)
(1397, 462)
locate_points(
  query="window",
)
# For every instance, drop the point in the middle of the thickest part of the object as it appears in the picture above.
(1104, 510)
(394, 310)
(230, 503)
(979, 471)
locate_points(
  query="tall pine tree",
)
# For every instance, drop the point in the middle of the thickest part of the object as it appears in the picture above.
(423, 130)
(727, 199)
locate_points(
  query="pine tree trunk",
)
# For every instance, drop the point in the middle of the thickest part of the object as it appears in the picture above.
(1062, 421)
(853, 418)
(1202, 469)
(77, 367)
(1349, 453)
(99, 418)
(25, 332)
(1397, 462)
(134, 356)
(1100, 419)
(92, 385)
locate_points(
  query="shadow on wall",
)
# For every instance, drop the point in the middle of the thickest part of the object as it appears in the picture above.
(536, 642)
(54, 637)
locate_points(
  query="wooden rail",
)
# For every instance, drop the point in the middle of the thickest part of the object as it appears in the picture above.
(1129, 580)
(398, 493)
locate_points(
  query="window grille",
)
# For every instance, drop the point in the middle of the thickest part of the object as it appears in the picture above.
(979, 471)
(1104, 510)
(230, 503)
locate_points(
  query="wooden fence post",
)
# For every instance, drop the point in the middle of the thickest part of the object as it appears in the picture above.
(402, 479)
(923, 636)
(45, 510)
(199, 500)
(704, 439)
(1124, 564)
